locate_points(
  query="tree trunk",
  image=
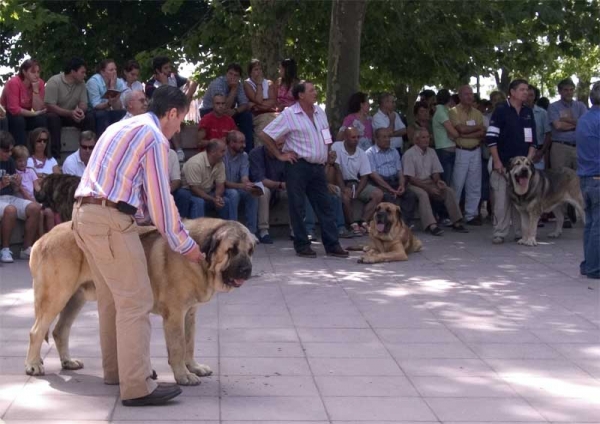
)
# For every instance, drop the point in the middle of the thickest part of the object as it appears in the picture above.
(267, 25)
(406, 97)
(583, 91)
(502, 80)
(343, 67)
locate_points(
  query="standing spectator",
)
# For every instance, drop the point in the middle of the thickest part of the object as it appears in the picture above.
(444, 134)
(67, 102)
(12, 207)
(262, 94)
(588, 169)
(429, 97)
(468, 121)
(511, 133)
(386, 117)
(386, 172)
(23, 99)
(422, 116)
(542, 125)
(216, 124)
(288, 78)
(76, 162)
(422, 169)
(41, 160)
(307, 134)
(238, 187)
(358, 118)
(236, 102)
(544, 103)
(135, 104)
(106, 104)
(204, 175)
(356, 169)
(131, 72)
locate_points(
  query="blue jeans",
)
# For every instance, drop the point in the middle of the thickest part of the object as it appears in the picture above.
(183, 200)
(310, 220)
(304, 179)
(447, 160)
(104, 118)
(250, 207)
(200, 207)
(590, 188)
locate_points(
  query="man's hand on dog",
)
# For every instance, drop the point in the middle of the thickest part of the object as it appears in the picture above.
(195, 255)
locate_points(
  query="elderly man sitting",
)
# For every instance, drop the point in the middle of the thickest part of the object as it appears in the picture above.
(135, 102)
(422, 169)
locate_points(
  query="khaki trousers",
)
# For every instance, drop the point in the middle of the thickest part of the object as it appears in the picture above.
(425, 212)
(112, 247)
(264, 203)
(562, 155)
(260, 122)
(504, 211)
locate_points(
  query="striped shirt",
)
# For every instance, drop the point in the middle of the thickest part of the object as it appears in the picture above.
(384, 162)
(130, 164)
(302, 136)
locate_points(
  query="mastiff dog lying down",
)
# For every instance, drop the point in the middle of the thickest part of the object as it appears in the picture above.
(390, 239)
(534, 192)
(62, 283)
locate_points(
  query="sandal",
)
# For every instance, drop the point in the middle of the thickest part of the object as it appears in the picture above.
(434, 230)
(355, 228)
(364, 227)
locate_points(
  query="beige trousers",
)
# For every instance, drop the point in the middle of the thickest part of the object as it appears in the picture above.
(263, 209)
(425, 212)
(112, 247)
(562, 155)
(504, 211)
(260, 122)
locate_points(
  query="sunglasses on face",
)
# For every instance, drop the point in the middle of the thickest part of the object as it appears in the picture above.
(86, 147)
(42, 140)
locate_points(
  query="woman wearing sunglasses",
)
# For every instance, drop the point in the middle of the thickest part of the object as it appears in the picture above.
(41, 160)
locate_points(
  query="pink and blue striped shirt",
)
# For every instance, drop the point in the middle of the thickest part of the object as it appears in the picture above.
(302, 136)
(130, 164)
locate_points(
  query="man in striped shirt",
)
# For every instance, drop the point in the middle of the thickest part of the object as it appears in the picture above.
(128, 173)
(307, 139)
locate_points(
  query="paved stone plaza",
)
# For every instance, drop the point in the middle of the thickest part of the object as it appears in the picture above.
(464, 331)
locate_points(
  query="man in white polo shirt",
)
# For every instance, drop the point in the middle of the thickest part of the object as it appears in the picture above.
(75, 163)
(355, 167)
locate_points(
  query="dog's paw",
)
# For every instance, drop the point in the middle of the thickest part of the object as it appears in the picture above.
(35, 369)
(366, 260)
(555, 234)
(188, 379)
(71, 364)
(527, 242)
(200, 370)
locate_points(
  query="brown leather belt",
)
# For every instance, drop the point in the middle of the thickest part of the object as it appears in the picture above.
(97, 201)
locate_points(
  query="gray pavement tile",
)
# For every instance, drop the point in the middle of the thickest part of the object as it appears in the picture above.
(179, 409)
(264, 366)
(354, 366)
(269, 385)
(366, 386)
(272, 408)
(346, 350)
(378, 408)
(483, 409)
(61, 407)
(261, 350)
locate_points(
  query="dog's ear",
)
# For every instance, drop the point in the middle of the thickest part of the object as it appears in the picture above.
(210, 245)
(511, 164)
(398, 214)
(531, 166)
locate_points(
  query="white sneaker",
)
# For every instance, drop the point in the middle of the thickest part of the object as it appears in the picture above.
(6, 256)
(180, 155)
(25, 254)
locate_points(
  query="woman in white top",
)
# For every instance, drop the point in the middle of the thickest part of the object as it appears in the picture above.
(131, 72)
(262, 95)
(41, 160)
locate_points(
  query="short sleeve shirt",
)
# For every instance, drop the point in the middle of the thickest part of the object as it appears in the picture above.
(73, 165)
(440, 135)
(45, 167)
(16, 96)
(560, 109)
(421, 165)
(198, 172)
(219, 86)
(27, 178)
(174, 168)
(216, 127)
(381, 120)
(9, 168)
(365, 129)
(64, 95)
(236, 167)
(353, 166)
(472, 117)
(386, 163)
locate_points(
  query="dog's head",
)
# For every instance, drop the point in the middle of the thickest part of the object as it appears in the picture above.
(520, 172)
(228, 247)
(386, 215)
(57, 192)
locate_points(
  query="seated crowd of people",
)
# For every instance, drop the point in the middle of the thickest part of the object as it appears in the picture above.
(436, 169)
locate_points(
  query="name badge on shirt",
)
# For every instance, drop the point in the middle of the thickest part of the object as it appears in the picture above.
(471, 123)
(528, 135)
(327, 136)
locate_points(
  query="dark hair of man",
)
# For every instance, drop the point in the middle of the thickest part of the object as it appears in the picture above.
(236, 67)
(291, 72)
(355, 101)
(166, 98)
(426, 94)
(33, 137)
(253, 63)
(300, 88)
(420, 105)
(130, 65)
(73, 65)
(103, 64)
(218, 95)
(595, 94)
(567, 82)
(6, 140)
(515, 83)
(383, 97)
(212, 145)
(536, 91)
(379, 130)
(87, 135)
(455, 98)
(543, 102)
(443, 96)
(158, 62)
(25, 66)
(231, 137)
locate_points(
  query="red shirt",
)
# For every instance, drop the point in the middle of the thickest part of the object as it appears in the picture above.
(16, 96)
(216, 127)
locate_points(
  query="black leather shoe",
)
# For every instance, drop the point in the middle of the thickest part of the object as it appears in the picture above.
(338, 252)
(307, 252)
(161, 395)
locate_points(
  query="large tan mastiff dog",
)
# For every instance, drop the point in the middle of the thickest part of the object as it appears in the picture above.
(390, 239)
(62, 283)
